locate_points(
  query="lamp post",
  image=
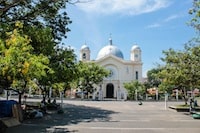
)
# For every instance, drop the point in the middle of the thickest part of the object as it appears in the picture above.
(118, 93)
(166, 99)
(81, 88)
(156, 94)
(136, 95)
(100, 93)
(177, 95)
(50, 89)
(61, 98)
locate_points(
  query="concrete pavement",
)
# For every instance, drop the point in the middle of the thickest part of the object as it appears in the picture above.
(112, 117)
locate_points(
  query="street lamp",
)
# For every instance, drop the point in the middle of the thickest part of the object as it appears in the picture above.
(166, 99)
(136, 94)
(100, 93)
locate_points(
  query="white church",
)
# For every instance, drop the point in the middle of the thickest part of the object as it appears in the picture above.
(121, 70)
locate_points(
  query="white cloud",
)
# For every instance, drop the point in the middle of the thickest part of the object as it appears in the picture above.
(156, 25)
(164, 21)
(128, 7)
(170, 18)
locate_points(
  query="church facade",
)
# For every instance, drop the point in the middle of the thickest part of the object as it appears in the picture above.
(121, 70)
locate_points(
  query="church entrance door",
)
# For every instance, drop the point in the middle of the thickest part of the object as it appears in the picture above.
(110, 90)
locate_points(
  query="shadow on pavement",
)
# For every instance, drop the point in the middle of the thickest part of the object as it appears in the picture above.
(55, 123)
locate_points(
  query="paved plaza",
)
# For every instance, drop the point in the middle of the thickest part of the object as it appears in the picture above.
(112, 117)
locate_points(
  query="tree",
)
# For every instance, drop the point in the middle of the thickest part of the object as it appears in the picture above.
(181, 69)
(18, 64)
(195, 12)
(40, 13)
(90, 74)
(64, 64)
(44, 22)
(153, 80)
(42, 40)
(132, 87)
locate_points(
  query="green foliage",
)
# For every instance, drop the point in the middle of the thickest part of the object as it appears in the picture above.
(58, 86)
(195, 12)
(153, 80)
(63, 62)
(18, 65)
(166, 87)
(39, 13)
(132, 87)
(90, 74)
(182, 106)
(45, 24)
(182, 68)
(41, 39)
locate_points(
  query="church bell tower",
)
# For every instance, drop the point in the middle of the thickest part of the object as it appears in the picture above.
(136, 53)
(85, 53)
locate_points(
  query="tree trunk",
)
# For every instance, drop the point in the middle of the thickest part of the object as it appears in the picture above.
(44, 91)
(184, 96)
(7, 94)
(22, 92)
(20, 98)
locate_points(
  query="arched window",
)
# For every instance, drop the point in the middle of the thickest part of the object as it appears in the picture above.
(136, 75)
(84, 55)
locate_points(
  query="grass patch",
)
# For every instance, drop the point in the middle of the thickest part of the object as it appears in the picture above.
(182, 106)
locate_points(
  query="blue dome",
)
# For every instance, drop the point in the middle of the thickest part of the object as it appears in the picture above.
(110, 50)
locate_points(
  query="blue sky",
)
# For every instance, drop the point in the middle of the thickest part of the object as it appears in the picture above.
(154, 25)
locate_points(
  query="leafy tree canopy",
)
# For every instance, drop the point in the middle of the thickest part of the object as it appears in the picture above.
(40, 13)
(195, 12)
(90, 74)
(18, 63)
(64, 64)
(132, 87)
(182, 67)
(152, 78)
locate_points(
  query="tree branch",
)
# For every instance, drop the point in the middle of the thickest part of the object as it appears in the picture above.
(6, 8)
